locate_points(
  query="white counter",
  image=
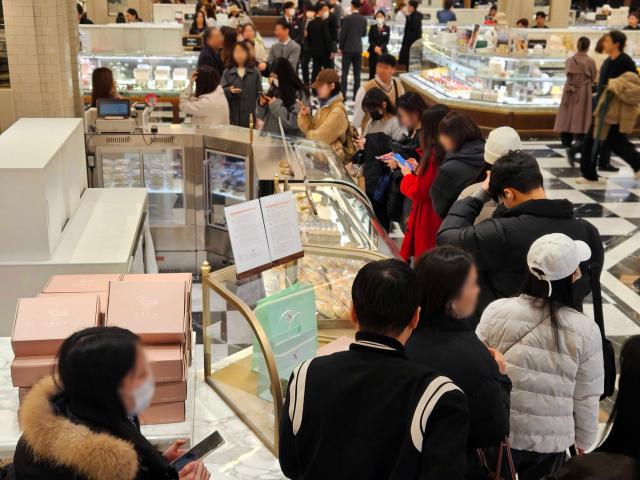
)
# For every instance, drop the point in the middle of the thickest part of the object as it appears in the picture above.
(103, 236)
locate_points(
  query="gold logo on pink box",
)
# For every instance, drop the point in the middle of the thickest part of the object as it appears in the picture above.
(147, 303)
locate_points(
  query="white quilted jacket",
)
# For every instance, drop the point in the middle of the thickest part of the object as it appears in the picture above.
(555, 395)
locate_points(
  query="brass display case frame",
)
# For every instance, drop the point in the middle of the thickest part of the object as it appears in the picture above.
(216, 281)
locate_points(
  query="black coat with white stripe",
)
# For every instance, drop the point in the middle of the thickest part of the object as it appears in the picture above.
(369, 413)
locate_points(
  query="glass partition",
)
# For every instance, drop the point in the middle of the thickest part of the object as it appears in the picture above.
(164, 179)
(256, 331)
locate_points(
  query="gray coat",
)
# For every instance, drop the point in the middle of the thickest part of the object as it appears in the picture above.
(290, 51)
(354, 27)
(242, 104)
(271, 113)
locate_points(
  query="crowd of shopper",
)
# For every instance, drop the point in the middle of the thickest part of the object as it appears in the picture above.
(481, 352)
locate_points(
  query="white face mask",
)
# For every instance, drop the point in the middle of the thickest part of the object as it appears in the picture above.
(142, 396)
(292, 12)
(325, 15)
(275, 82)
(380, 21)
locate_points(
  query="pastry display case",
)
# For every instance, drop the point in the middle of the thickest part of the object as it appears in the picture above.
(257, 330)
(144, 58)
(191, 174)
(332, 209)
(500, 76)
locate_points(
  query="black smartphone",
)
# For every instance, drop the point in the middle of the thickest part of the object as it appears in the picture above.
(201, 450)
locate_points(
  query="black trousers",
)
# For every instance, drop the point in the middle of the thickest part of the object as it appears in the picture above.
(355, 60)
(320, 62)
(617, 143)
(373, 61)
(305, 60)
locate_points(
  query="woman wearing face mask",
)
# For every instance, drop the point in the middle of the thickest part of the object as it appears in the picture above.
(281, 104)
(330, 122)
(445, 343)
(82, 423)
(553, 355)
(381, 115)
(379, 35)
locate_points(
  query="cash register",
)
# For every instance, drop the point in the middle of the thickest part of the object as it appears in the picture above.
(114, 116)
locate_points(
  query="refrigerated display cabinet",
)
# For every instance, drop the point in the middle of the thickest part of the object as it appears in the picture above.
(512, 77)
(192, 173)
(248, 353)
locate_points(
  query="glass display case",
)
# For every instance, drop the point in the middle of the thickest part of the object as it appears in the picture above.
(138, 75)
(509, 69)
(332, 209)
(160, 170)
(256, 331)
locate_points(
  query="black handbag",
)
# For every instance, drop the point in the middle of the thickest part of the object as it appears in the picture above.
(608, 354)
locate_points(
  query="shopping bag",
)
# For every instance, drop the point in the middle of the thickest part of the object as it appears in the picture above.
(288, 319)
(289, 350)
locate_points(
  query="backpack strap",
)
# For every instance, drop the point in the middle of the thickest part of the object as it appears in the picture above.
(596, 293)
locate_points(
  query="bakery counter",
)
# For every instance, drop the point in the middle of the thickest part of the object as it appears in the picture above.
(530, 118)
(272, 322)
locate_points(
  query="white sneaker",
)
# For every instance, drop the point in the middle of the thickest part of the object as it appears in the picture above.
(585, 181)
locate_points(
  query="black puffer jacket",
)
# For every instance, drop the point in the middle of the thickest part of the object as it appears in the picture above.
(458, 170)
(500, 244)
(447, 345)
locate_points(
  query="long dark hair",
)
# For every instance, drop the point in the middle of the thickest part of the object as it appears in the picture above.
(429, 129)
(207, 80)
(230, 38)
(459, 128)
(373, 100)
(290, 87)
(441, 273)
(625, 419)
(561, 296)
(92, 364)
(230, 62)
(102, 84)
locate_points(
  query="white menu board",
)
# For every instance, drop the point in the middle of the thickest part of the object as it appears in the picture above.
(264, 232)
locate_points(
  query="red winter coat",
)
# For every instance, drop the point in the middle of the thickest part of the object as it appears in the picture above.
(424, 222)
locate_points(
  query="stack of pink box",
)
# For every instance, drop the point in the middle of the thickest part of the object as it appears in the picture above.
(40, 326)
(158, 309)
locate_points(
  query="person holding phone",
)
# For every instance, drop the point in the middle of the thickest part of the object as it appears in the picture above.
(242, 83)
(82, 422)
(283, 100)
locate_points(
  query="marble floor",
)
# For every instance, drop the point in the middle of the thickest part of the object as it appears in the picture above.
(613, 207)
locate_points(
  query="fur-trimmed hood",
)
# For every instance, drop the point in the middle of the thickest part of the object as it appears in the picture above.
(54, 438)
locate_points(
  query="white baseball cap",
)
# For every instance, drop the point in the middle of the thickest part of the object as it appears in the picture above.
(556, 256)
(500, 142)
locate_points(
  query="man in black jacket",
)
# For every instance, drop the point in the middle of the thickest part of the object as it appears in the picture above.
(412, 32)
(354, 27)
(321, 43)
(500, 244)
(368, 412)
(210, 53)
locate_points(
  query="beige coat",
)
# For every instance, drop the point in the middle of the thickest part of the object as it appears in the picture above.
(328, 125)
(574, 114)
(622, 107)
